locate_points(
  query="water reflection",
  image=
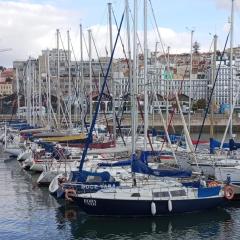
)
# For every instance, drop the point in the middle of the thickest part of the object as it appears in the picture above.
(29, 212)
(209, 224)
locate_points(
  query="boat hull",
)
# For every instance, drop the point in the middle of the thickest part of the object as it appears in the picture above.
(46, 177)
(13, 151)
(114, 207)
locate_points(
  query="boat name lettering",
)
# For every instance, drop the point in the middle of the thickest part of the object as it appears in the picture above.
(90, 202)
(96, 187)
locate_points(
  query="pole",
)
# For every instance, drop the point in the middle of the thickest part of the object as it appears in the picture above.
(145, 77)
(111, 73)
(190, 85)
(49, 91)
(40, 92)
(69, 82)
(58, 83)
(90, 76)
(133, 75)
(212, 82)
(168, 82)
(18, 97)
(231, 69)
(82, 78)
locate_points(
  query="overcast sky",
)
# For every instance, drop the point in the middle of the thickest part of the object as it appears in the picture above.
(28, 26)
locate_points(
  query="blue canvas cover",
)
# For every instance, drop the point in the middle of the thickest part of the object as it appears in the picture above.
(116, 164)
(77, 176)
(233, 145)
(216, 144)
(140, 167)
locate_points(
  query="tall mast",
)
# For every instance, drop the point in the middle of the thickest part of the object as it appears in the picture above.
(18, 97)
(28, 91)
(168, 82)
(82, 78)
(111, 73)
(190, 85)
(33, 95)
(40, 91)
(212, 82)
(231, 68)
(132, 92)
(49, 91)
(135, 74)
(145, 77)
(58, 83)
(69, 82)
(90, 75)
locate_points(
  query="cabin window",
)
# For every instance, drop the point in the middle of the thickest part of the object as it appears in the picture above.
(135, 195)
(177, 193)
(94, 179)
(160, 194)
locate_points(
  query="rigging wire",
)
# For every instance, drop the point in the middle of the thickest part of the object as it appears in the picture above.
(211, 94)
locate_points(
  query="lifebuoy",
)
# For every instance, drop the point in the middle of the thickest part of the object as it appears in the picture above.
(228, 192)
(71, 214)
(213, 184)
(70, 193)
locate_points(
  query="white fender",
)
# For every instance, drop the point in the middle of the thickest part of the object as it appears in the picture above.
(153, 208)
(169, 205)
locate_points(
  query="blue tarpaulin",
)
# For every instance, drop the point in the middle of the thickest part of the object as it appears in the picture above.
(82, 176)
(141, 167)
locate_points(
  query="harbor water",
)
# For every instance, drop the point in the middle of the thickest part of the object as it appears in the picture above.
(29, 212)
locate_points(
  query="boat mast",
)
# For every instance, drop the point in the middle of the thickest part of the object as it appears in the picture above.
(82, 77)
(33, 95)
(133, 74)
(90, 75)
(40, 92)
(28, 88)
(69, 82)
(58, 83)
(111, 72)
(168, 83)
(190, 85)
(231, 69)
(131, 81)
(145, 77)
(18, 97)
(212, 82)
(49, 91)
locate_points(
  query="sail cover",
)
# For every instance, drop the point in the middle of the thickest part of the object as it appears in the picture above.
(140, 167)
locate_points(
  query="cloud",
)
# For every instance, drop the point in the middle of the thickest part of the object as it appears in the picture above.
(226, 4)
(28, 28)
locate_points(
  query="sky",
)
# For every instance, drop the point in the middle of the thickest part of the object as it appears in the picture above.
(28, 26)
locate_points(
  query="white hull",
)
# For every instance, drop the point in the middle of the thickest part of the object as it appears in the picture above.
(209, 168)
(46, 177)
(225, 173)
(24, 155)
(13, 151)
(37, 167)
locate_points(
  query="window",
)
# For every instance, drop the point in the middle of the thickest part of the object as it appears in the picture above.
(177, 193)
(94, 179)
(160, 194)
(135, 195)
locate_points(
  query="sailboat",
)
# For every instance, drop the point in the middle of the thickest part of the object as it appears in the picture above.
(152, 198)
